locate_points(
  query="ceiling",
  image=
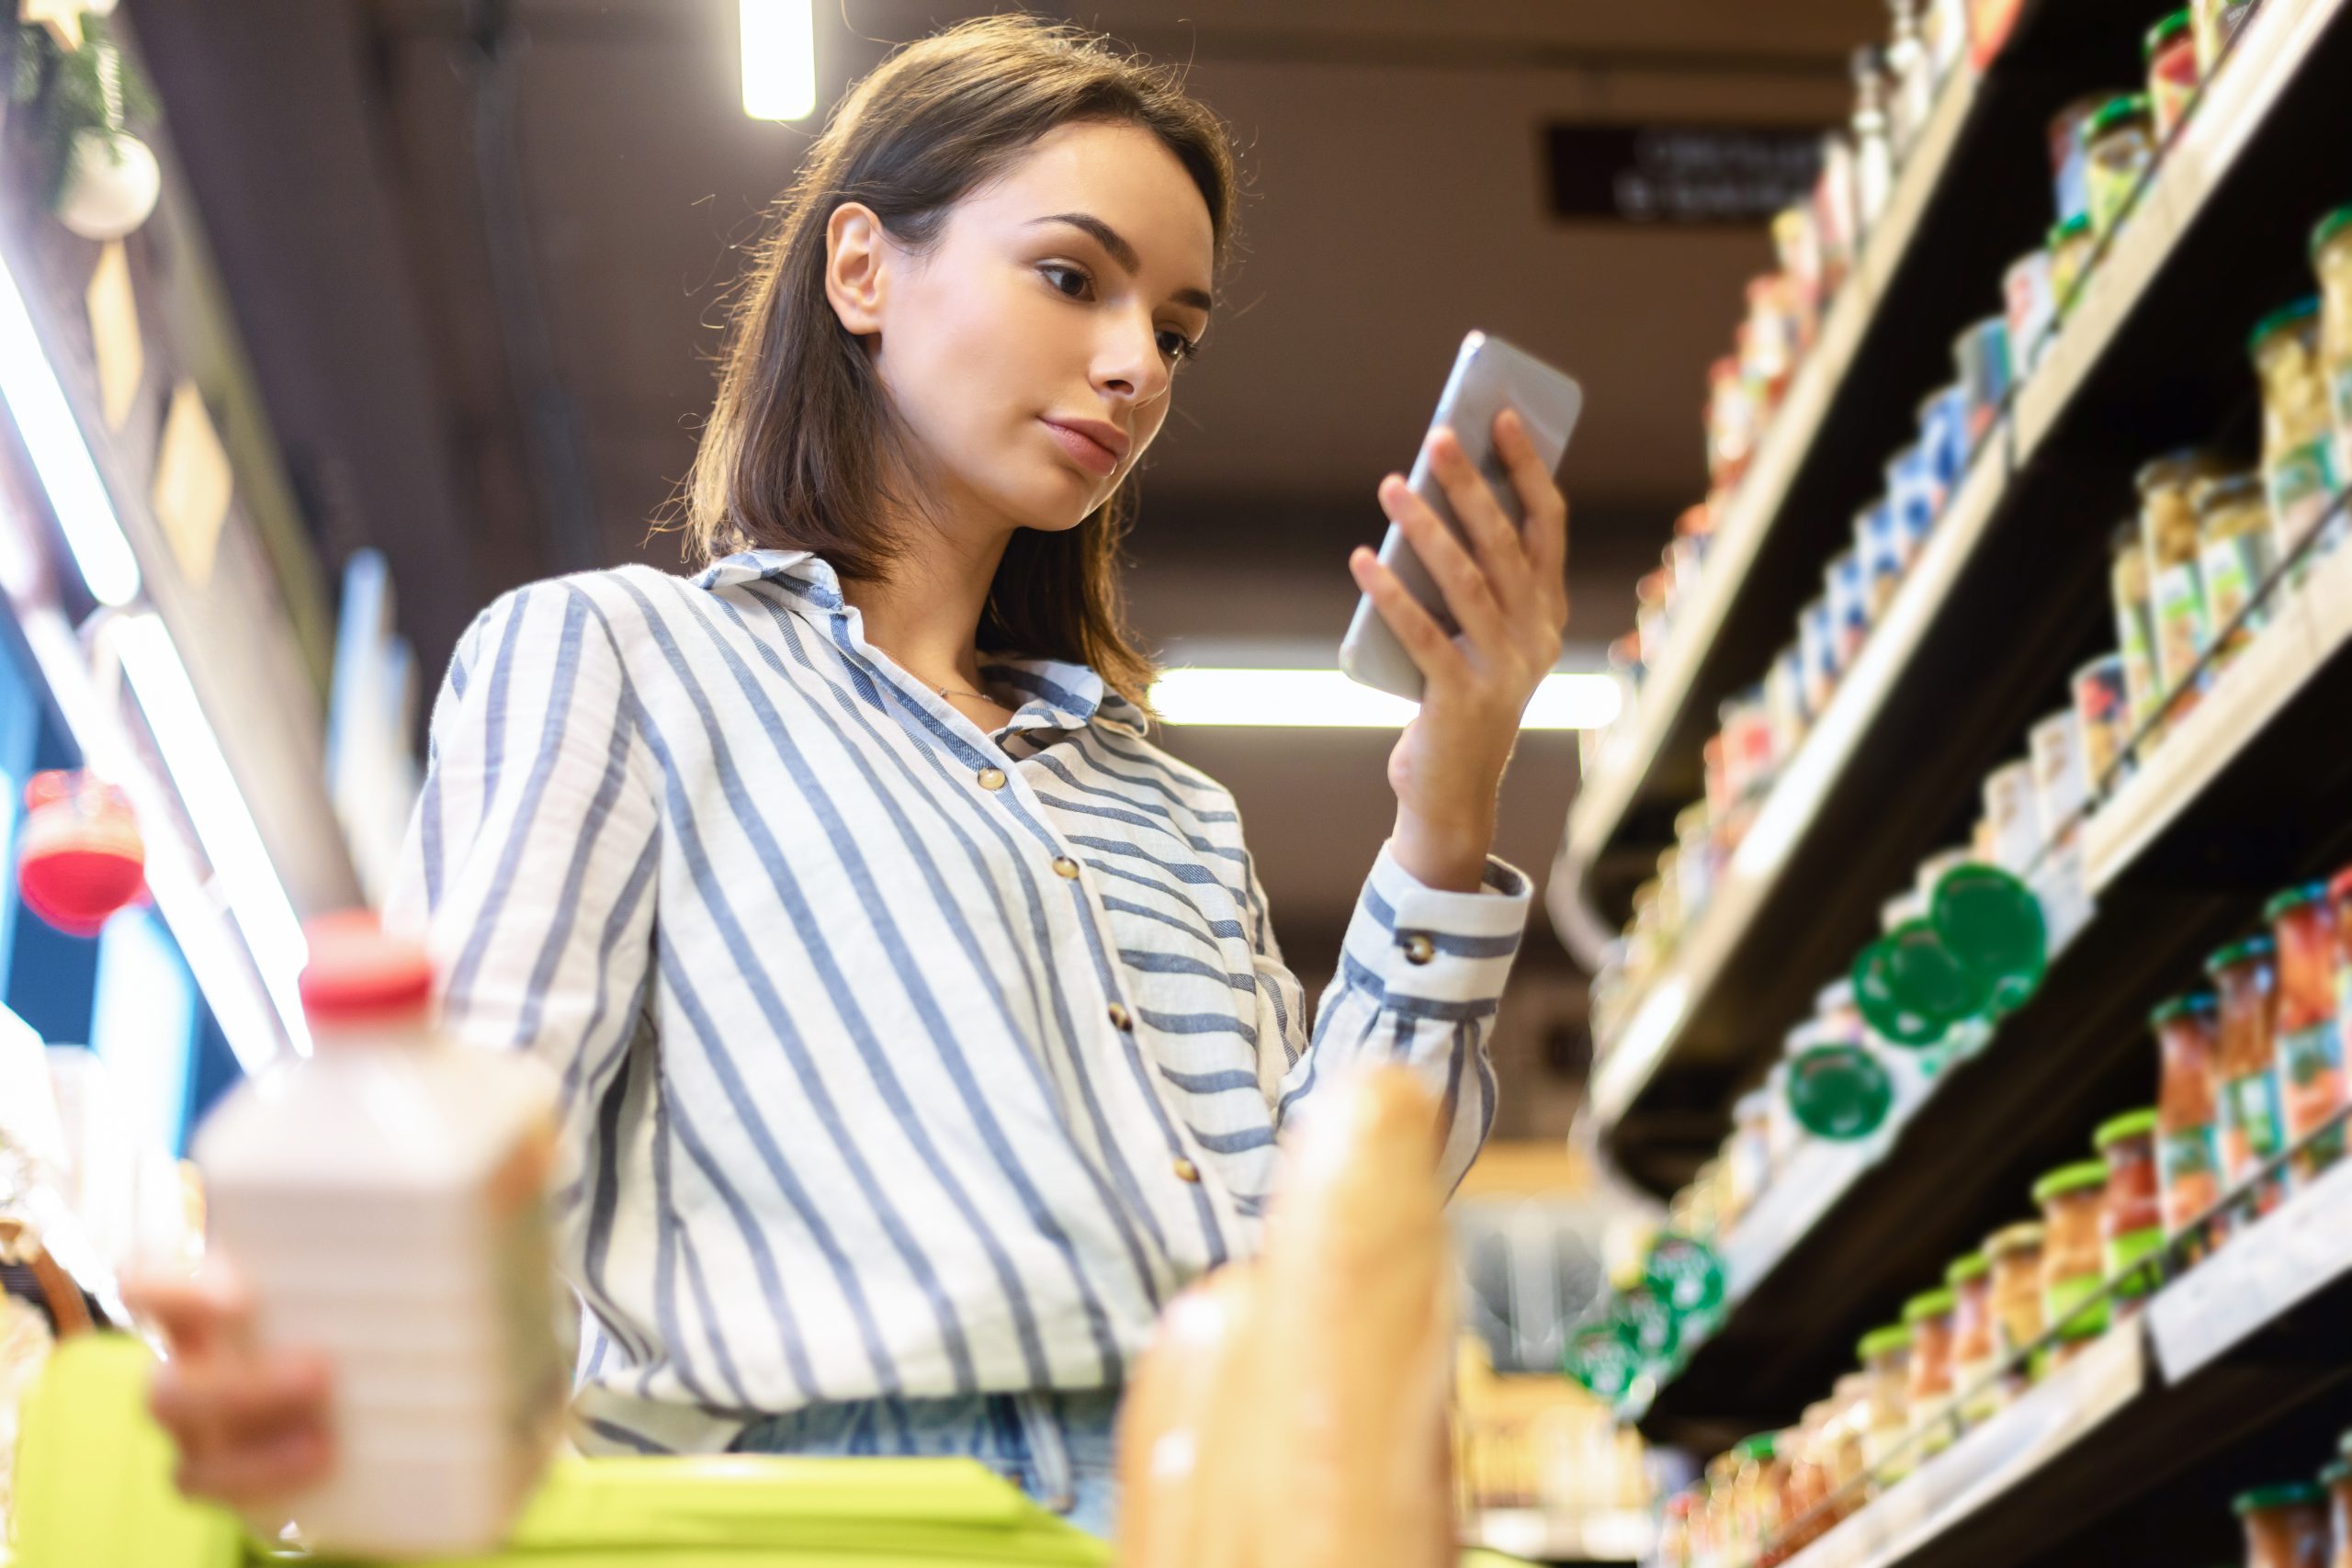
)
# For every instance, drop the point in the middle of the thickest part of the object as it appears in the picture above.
(481, 300)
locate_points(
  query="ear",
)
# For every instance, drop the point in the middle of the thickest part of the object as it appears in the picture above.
(857, 257)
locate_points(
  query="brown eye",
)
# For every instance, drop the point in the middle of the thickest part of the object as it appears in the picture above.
(1052, 271)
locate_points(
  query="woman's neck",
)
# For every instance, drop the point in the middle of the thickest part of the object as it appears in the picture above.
(927, 617)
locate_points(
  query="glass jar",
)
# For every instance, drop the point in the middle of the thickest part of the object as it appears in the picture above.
(2119, 149)
(1749, 1157)
(2177, 615)
(2245, 976)
(2070, 162)
(2171, 50)
(1850, 1403)
(1757, 1492)
(2130, 1224)
(2331, 259)
(2214, 22)
(1927, 1395)
(2070, 261)
(1886, 1361)
(2188, 1145)
(2074, 1263)
(2235, 551)
(2285, 1527)
(2103, 705)
(2337, 1479)
(2136, 627)
(2312, 1088)
(1975, 1348)
(2015, 1254)
(2298, 441)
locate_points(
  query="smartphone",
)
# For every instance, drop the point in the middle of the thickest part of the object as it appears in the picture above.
(1488, 376)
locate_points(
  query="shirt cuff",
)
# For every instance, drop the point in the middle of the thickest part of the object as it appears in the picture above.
(1411, 939)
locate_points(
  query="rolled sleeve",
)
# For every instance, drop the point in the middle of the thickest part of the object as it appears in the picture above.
(1422, 974)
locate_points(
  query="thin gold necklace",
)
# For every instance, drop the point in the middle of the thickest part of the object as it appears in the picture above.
(982, 696)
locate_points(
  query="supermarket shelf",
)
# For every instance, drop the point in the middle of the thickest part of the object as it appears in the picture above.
(1970, 198)
(1609, 1537)
(2187, 790)
(2008, 595)
(2229, 1353)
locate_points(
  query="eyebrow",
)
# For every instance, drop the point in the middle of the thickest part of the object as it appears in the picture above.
(1113, 242)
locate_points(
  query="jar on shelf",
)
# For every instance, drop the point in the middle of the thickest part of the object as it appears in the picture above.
(2015, 1254)
(1927, 1397)
(2285, 1527)
(2103, 704)
(2120, 148)
(2214, 23)
(2337, 1479)
(1846, 1440)
(1975, 1347)
(1887, 1362)
(2131, 588)
(1749, 1155)
(2070, 160)
(2074, 1261)
(1757, 1492)
(2171, 48)
(2031, 308)
(2245, 976)
(2331, 259)
(2178, 614)
(2131, 1225)
(2297, 439)
(2188, 1137)
(1804, 1451)
(2235, 551)
(2071, 247)
(2312, 1089)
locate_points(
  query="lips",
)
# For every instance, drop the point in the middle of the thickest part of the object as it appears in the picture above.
(1093, 444)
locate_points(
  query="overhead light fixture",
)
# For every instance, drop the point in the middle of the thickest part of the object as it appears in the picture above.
(1328, 699)
(225, 823)
(54, 439)
(779, 41)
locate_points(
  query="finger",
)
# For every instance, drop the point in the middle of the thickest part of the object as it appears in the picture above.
(1494, 540)
(290, 1462)
(1463, 581)
(223, 1403)
(1545, 536)
(201, 1312)
(1424, 639)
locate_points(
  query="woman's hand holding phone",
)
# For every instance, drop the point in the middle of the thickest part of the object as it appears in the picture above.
(1509, 594)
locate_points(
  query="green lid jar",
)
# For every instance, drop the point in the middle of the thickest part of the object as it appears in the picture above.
(1879, 1343)
(2116, 1129)
(1973, 1266)
(2255, 946)
(2284, 1524)
(2292, 899)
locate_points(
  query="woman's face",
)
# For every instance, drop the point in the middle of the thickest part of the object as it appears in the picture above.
(1032, 351)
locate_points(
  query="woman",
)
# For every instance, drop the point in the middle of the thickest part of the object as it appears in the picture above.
(922, 1026)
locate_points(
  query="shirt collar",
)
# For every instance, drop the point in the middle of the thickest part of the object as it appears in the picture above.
(1062, 693)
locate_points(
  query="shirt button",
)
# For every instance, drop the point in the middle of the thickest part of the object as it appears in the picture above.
(1419, 949)
(991, 778)
(1119, 1019)
(1065, 867)
(1187, 1171)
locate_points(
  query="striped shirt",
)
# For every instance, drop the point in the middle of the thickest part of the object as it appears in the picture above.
(899, 1057)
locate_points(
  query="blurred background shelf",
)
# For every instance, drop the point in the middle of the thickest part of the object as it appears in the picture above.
(2009, 595)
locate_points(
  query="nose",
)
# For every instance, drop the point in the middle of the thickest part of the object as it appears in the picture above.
(1128, 365)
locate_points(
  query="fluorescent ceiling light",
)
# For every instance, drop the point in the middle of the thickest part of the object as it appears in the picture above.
(225, 823)
(1328, 699)
(53, 438)
(779, 41)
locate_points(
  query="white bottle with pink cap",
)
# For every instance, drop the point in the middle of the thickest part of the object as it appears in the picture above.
(384, 1199)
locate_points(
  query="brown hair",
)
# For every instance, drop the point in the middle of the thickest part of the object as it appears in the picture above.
(799, 452)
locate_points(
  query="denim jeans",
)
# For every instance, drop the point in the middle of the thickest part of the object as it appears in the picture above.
(1054, 1447)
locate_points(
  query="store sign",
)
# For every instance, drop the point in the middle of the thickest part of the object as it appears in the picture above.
(1666, 173)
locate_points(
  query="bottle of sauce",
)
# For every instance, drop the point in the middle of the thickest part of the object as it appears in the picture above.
(2245, 976)
(385, 1197)
(2188, 1133)
(2285, 1527)
(2131, 1222)
(2312, 1089)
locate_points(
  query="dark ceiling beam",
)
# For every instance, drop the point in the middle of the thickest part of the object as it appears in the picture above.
(273, 112)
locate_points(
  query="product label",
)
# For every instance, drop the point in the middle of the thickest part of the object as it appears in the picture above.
(2301, 484)
(2234, 568)
(2189, 1161)
(2310, 1065)
(2136, 645)
(2182, 626)
(2251, 1131)
(2063, 1302)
